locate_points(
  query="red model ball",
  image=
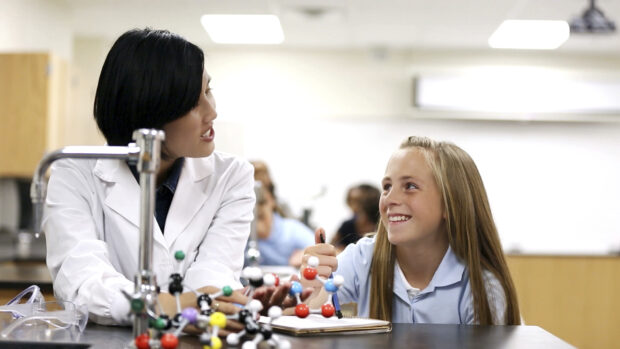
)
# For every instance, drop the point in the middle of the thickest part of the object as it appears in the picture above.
(169, 341)
(310, 273)
(302, 310)
(277, 280)
(327, 310)
(142, 341)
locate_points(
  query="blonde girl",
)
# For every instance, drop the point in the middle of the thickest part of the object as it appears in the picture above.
(436, 257)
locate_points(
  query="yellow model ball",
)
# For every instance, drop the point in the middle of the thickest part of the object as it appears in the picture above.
(218, 319)
(216, 343)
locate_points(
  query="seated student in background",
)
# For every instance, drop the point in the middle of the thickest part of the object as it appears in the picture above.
(363, 200)
(281, 241)
(262, 174)
(436, 257)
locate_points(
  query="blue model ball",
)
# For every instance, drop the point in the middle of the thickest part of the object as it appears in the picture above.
(330, 287)
(296, 288)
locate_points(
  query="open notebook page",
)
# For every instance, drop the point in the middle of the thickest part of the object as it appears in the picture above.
(317, 324)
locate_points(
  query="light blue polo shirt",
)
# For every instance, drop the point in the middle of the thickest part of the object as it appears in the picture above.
(446, 300)
(287, 235)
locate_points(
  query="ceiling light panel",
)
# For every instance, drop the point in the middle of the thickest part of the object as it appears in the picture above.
(243, 29)
(530, 34)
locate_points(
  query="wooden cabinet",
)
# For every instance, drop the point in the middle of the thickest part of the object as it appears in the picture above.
(574, 297)
(33, 94)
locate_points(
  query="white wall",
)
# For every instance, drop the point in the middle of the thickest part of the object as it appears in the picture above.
(35, 26)
(327, 120)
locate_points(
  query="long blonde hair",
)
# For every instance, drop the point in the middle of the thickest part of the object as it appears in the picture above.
(471, 233)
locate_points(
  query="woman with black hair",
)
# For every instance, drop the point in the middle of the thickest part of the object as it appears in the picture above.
(204, 198)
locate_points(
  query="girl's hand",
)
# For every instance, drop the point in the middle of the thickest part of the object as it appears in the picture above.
(277, 296)
(326, 254)
(307, 296)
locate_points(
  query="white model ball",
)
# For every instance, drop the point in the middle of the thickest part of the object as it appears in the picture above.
(252, 273)
(269, 279)
(313, 261)
(249, 345)
(232, 339)
(255, 305)
(275, 312)
(338, 280)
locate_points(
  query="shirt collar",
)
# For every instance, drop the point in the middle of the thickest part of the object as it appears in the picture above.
(411, 291)
(173, 176)
(449, 272)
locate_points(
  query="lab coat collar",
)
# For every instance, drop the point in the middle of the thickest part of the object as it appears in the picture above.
(124, 194)
(199, 168)
(189, 197)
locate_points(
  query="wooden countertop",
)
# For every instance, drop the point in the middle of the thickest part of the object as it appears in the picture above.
(24, 274)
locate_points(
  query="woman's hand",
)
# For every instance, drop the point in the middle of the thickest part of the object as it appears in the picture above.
(227, 305)
(326, 254)
(223, 304)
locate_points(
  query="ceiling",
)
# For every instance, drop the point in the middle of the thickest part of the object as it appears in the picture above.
(391, 24)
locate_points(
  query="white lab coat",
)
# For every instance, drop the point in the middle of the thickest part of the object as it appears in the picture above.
(91, 222)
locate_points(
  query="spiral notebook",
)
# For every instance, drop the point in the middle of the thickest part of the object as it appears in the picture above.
(316, 324)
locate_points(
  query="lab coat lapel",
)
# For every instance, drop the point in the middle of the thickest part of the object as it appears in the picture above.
(124, 195)
(189, 196)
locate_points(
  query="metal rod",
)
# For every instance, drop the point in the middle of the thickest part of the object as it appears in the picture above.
(149, 142)
(252, 254)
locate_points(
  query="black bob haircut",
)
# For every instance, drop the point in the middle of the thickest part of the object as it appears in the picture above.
(149, 78)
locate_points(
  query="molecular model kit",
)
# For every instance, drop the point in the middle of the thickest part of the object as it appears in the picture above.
(331, 285)
(164, 332)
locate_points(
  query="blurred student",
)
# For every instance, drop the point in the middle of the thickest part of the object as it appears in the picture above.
(363, 200)
(436, 257)
(262, 174)
(281, 241)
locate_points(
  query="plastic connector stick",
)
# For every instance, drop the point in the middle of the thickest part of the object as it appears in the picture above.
(335, 301)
